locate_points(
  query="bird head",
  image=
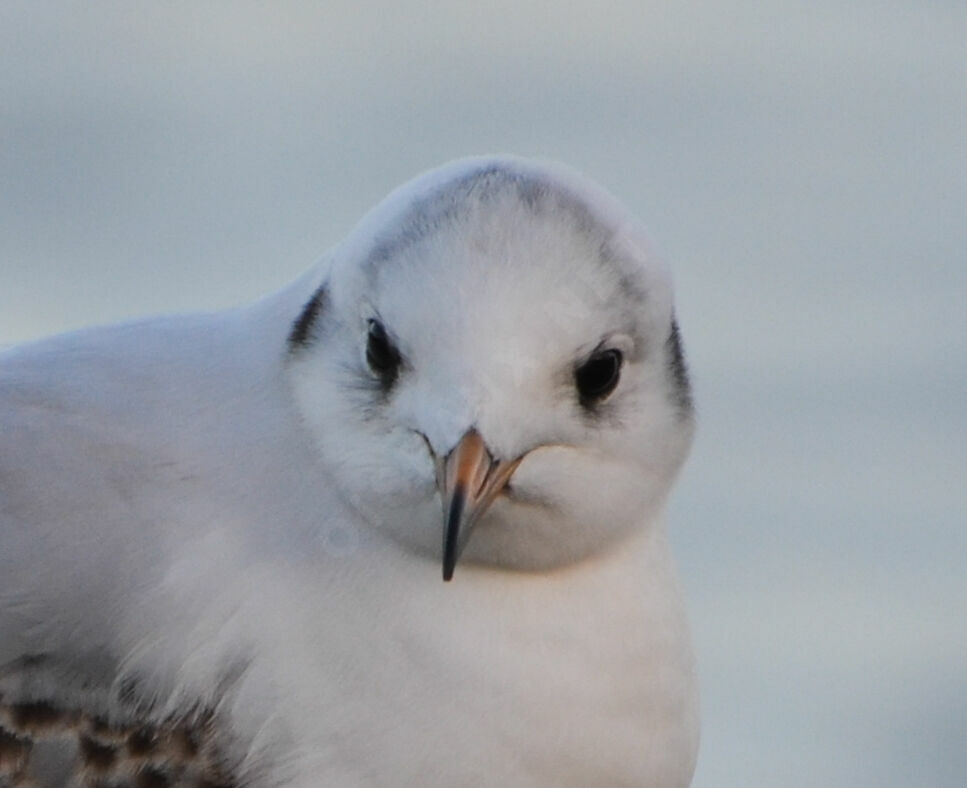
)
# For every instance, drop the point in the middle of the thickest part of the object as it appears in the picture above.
(492, 370)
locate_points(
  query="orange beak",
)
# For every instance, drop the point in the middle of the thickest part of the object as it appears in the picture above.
(471, 480)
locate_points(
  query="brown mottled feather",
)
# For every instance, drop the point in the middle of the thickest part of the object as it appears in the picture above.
(179, 752)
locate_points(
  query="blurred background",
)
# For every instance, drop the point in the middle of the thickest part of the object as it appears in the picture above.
(802, 165)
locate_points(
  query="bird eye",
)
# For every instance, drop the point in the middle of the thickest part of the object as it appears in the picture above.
(597, 377)
(382, 357)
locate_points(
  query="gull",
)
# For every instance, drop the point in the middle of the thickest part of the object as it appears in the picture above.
(398, 523)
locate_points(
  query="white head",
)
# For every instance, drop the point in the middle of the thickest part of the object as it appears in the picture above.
(494, 349)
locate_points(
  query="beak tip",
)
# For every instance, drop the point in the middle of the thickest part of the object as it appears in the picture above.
(449, 559)
(451, 534)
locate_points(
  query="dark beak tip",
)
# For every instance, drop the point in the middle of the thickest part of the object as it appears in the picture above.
(451, 534)
(449, 561)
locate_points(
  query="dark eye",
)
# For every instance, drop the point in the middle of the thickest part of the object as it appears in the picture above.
(382, 357)
(597, 377)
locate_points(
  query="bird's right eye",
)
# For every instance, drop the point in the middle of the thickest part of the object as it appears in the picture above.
(383, 358)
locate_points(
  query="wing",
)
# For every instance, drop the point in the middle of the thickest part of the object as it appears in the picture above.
(56, 728)
(121, 450)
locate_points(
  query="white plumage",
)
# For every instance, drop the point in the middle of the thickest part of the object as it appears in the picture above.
(230, 526)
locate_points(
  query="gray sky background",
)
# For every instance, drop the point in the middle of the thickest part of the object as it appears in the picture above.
(803, 165)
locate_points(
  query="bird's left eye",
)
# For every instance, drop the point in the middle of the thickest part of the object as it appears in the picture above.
(597, 377)
(383, 358)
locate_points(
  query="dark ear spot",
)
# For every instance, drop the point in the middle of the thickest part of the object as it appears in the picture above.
(303, 330)
(678, 370)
